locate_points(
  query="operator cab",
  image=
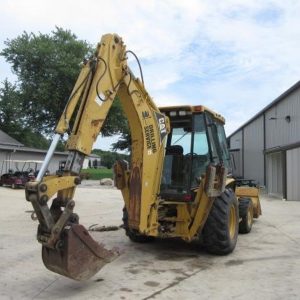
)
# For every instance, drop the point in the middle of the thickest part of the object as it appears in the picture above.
(197, 139)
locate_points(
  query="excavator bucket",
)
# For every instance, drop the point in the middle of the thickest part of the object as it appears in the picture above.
(79, 257)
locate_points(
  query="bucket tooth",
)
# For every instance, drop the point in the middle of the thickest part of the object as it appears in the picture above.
(78, 256)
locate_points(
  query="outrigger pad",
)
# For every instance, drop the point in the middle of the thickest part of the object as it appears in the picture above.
(79, 257)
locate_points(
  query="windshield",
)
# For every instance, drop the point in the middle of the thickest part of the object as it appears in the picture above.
(182, 138)
(200, 158)
(187, 156)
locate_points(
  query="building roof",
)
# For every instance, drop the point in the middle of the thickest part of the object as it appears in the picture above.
(28, 149)
(94, 156)
(274, 102)
(5, 139)
(10, 144)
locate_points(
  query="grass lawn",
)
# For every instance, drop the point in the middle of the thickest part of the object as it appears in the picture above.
(97, 174)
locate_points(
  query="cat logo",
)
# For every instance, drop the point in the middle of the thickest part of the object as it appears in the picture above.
(161, 123)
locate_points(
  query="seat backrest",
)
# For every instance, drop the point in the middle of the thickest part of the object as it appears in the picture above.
(174, 150)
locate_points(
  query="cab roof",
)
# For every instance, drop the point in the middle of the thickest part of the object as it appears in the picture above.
(193, 109)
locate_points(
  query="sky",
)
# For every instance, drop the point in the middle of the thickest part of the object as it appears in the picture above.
(234, 56)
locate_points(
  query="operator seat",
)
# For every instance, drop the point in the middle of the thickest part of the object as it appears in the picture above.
(176, 152)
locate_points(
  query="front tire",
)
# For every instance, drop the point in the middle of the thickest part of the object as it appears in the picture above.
(134, 235)
(221, 228)
(246, 214)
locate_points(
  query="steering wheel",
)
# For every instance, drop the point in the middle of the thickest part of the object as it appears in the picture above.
(191, 154)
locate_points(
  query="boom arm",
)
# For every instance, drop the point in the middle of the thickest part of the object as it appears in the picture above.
(68, 249)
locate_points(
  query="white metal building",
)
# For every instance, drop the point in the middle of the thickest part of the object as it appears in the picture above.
(267, 147)
(11, 151)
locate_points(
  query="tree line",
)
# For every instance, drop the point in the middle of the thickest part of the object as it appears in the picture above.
(108, 158)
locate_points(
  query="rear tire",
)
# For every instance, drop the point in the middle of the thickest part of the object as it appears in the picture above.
(221, 228)
(246, 214)
(134, 235)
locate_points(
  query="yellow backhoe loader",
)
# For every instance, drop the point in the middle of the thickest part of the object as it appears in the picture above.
(177, 184)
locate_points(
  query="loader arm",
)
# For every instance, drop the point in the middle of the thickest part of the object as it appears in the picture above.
(67, 247)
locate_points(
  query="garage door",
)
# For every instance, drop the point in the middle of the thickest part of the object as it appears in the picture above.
(293, 174)
(236, 163)
(274, 174)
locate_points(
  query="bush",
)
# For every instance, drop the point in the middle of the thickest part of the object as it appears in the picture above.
(96, 174)
(84, 175)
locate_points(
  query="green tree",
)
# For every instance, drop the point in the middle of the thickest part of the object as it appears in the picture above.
(116, 123)
(108, 158)
(12, 119)
(11, 113)
(47, 66)
(124, 142)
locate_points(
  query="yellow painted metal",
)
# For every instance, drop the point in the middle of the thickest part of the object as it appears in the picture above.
(83, 78)
(100, 77)
(200, 212)
(182, 221)
(100, 81)
(114, 78)
(152, 224)
(245, 191)
(147, 154)
(250, 216)
(65, 184)
(253, 193)
(232, 222)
